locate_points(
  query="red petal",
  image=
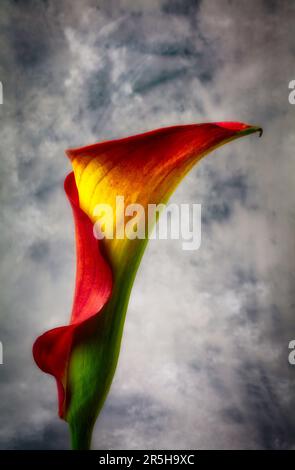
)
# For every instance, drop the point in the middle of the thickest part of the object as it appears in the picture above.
(93, 287)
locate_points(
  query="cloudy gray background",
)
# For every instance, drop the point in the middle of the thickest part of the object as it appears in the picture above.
(204, 355)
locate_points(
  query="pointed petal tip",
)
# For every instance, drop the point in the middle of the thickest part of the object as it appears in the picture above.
(241, 128)
(252, 130)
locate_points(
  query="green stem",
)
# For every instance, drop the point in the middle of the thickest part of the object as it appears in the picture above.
(80, 436)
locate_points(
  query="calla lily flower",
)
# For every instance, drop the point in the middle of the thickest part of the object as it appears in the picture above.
(145, 169)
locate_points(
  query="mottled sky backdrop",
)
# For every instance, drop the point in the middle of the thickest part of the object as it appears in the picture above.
(204, 360)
